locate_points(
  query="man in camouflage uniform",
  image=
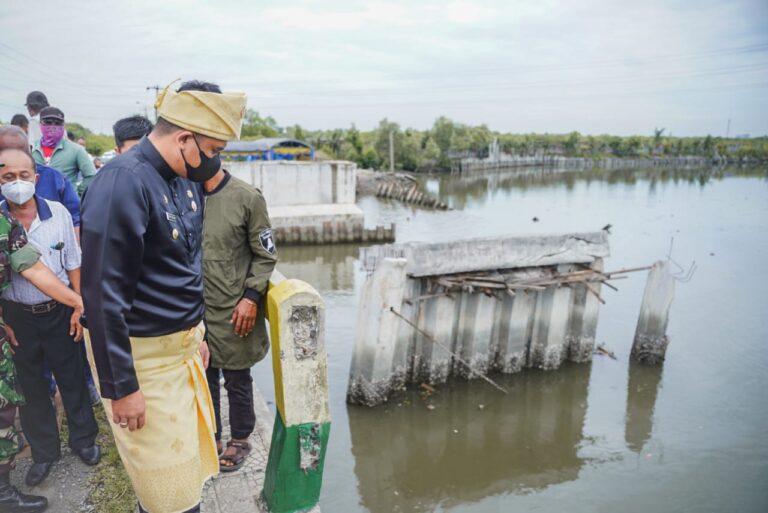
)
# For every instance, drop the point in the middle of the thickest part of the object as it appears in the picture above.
(17, 255)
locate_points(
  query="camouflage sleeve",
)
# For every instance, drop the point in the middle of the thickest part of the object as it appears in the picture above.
(23, 254)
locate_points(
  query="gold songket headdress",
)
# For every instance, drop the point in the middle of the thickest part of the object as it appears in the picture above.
(216, 115)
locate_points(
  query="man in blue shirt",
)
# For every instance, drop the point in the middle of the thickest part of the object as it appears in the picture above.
(46, 330)
(51, 184)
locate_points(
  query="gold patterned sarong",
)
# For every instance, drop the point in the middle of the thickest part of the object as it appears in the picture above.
(174, 454)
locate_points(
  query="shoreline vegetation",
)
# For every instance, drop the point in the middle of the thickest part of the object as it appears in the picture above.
(446, 143)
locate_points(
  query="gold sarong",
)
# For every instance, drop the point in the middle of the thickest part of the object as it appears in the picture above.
(174, 454)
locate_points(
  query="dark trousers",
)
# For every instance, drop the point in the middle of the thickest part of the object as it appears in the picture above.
(45, 338)
(239, 385)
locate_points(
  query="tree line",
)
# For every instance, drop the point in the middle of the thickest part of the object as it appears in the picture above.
(446, 141)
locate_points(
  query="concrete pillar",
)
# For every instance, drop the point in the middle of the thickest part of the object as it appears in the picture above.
(474, 332)
(437, 317)
(294, 472)
(548, 348)
(515, 327)
(370, 380)
(583, 325)
(651, 341)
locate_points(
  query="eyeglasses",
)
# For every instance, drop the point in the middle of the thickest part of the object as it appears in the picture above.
(51, 121)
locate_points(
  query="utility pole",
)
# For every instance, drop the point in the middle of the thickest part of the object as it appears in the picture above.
(392, 151)
(728, 129)
(157, 93)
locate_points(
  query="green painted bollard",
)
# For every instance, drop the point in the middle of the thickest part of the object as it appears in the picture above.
(294, 474)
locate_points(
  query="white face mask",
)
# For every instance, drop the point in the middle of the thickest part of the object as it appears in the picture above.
(18, 191)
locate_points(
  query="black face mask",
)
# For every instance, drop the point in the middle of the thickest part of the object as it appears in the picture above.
(207, 169)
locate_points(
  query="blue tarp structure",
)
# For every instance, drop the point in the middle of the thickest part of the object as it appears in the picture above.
(273, 148)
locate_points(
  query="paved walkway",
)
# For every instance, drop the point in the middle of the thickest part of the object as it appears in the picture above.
(236, 492)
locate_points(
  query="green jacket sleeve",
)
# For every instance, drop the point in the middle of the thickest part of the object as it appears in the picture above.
(86, 168)
(263, 250)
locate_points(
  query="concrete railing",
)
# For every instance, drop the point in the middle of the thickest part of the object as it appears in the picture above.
(296, 314)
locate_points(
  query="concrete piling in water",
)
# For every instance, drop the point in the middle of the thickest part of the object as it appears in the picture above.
(651, 341)
(583, 322)
(474, 334)
(437, 317)
(466, 308)
(515, 327)
(548, 347)
(374, 365)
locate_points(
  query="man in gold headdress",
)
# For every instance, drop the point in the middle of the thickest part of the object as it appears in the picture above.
(143, 290)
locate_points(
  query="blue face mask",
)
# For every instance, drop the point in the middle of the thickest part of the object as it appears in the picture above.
(18, 191)
(207, 169)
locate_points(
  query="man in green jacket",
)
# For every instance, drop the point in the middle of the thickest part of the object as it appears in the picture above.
(239, 255)
(56, 151)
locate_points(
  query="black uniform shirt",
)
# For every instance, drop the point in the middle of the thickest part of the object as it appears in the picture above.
(142, 263)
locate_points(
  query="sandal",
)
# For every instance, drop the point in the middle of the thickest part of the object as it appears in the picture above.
(237, 460)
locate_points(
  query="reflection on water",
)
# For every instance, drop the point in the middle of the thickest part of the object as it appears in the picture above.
(642, 389)
(475, 443)
(325, 267)
(463, 189)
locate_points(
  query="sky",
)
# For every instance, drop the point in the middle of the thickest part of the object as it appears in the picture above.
(603, 66)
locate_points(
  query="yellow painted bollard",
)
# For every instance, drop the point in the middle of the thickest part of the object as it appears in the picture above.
(294, 473)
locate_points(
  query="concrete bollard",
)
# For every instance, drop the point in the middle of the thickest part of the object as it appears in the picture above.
(294, 472)
(651, 341)
(373, 361)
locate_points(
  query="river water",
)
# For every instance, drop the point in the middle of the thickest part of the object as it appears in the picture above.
(691, 435)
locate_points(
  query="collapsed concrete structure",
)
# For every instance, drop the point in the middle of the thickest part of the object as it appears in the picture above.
(498, 304)
(311, 202)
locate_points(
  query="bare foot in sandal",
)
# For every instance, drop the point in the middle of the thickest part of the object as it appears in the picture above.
(235, 455)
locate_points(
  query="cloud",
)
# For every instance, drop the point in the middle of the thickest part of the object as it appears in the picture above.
(604, 66)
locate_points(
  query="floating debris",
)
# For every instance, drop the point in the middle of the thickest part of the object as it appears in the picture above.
(601, 349)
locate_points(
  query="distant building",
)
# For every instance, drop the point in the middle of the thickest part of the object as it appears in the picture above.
(274, 148)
